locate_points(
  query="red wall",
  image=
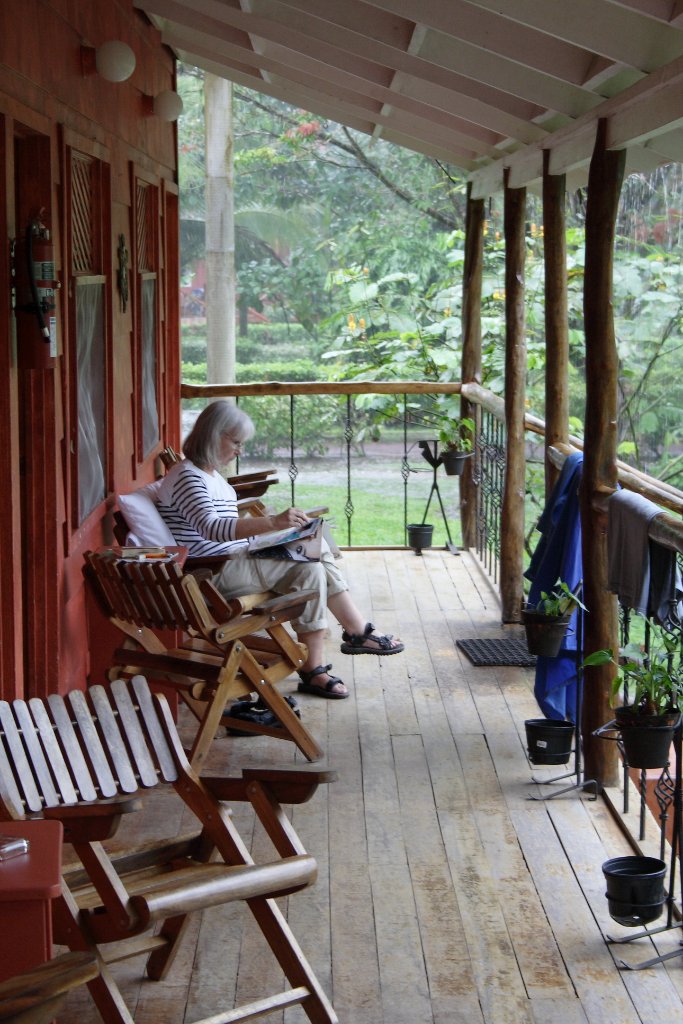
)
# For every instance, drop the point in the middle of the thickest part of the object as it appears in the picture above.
(49, 110)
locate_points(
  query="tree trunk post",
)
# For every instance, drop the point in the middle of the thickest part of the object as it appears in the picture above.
(600, 456)
(471, 353)
(512, 533)
(556, 327)
(220, 232)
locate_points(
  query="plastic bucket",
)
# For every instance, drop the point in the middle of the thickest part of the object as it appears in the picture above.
(420, 536)
(635, 889)
(548, 741)
(544, 634)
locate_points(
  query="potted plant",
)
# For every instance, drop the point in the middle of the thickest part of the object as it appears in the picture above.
(456, 437)
(545, 623)
(652, 685)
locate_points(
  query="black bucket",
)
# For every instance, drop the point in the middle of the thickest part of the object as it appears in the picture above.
(549, 741)
(544, 633)
(647, 746)
(420, 536)
(635, 889)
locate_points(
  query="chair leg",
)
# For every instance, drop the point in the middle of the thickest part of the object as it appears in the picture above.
(212, 717)
(103, 989)
(289, 955)
(161, 960)
(276, 703)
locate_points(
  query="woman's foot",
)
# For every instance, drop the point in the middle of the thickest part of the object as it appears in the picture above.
(370, 642)
(320, 683)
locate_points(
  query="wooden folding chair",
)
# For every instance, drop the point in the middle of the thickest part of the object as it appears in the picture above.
(35, 996)
(85, 759)
(227, 649)
(247, 485)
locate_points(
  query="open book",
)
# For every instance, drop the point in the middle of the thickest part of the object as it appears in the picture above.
(298, 544)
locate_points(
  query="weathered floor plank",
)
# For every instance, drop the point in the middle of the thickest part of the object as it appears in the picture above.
(445, 895)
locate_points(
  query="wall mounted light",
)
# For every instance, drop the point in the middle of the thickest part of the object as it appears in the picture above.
(166, 105)
(114, 61)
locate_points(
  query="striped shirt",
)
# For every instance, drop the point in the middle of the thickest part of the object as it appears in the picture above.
(200, 510)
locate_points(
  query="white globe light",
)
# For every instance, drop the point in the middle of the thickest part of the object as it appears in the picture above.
(115, 61)
(168, 105)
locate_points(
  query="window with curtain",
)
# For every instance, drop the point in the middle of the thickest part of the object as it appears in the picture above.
(148, 340)
(90, 371)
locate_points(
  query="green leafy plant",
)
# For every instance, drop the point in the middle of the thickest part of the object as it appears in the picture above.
(561, 600)
(456, 435)
(652, 680)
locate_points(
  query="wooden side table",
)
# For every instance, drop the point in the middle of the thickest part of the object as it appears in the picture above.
(28, 884)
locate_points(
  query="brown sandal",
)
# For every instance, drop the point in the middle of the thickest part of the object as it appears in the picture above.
(354, 643)
(324, 689)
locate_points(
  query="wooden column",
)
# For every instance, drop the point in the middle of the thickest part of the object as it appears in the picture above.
(600, 457)
(471, 352)
(556, 328)
(512, 533)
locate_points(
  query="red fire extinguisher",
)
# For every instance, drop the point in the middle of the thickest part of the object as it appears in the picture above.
(35, 310)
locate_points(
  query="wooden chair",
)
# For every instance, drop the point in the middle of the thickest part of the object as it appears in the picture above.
(247, 485)
(219, 657)
(85, 759)
(35, 996)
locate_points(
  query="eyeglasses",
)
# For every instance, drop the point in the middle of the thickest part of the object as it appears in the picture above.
(226, 435)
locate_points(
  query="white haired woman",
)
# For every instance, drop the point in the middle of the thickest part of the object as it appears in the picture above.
(200, 508)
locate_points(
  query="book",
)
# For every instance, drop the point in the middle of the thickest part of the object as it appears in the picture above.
(299, 544)
(12, 846)
(142, 554)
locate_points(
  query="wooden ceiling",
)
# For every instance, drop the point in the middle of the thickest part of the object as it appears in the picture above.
(481, 84)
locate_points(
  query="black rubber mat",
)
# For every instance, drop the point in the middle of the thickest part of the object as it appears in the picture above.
(509, 651)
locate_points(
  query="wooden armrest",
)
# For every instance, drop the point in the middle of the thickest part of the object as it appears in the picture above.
(95, 809)
(319, 510)
(92, 822)
(283, 601)
(212, 562)
(286, 785)
(258, 474)
(45, 982)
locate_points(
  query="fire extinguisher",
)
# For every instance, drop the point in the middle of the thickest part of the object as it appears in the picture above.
(35, 310)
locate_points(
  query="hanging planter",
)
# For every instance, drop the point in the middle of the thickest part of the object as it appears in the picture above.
(420, 536)
(652, 680)
(546, 622)
(453, 461)
(548, 740)
(635, 889)
(544, 633)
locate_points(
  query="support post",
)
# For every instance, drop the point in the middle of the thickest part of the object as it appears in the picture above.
(600, 456)
(470, 367)
(512, 539)
(556, 328)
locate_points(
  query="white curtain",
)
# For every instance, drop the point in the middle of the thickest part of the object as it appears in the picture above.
(150, 414)
(91, 396)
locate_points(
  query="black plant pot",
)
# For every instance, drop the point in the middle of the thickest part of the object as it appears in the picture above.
(453, 462)
(635, 889)
(420, 536)
(544, 633)
(548, 740)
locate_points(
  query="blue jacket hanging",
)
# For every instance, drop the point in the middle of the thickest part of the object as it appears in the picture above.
(558, 556)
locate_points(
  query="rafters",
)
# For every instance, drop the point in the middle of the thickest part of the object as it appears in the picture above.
(487, 85)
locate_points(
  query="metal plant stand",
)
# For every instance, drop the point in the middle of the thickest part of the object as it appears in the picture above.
(666, 797)
(581, 783)
(431, 455)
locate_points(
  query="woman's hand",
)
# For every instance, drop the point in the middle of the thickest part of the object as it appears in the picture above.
(291, 517)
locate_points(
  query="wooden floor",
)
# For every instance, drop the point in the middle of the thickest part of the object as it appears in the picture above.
(445, 894)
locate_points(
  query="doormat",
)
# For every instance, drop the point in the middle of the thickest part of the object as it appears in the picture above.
(510, 651)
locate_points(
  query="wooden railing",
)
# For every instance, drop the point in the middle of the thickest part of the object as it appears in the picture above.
(665, 529)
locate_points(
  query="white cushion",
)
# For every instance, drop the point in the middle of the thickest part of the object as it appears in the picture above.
(142, 516)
